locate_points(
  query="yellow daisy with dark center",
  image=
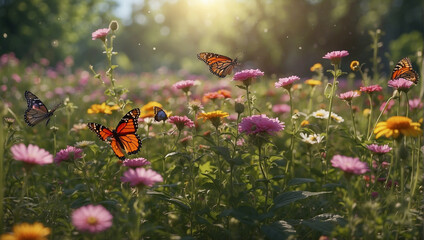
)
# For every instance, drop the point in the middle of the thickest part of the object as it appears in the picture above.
(396, 126)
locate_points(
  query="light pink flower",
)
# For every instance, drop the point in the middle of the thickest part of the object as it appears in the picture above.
(287, 82)
(135, 162)
(141, 176)
(70, 153)
(260, 124)
(336, 55)
(401, 84)
(349, 164)
(181, 122)
(100, 34)
(184, 85)
(92, 218)
(281, 108)
(379, 149)
(348, 96)
(247, 74)
(16, 77)
(389, 106)
(371, 89)
(415, 103)
(31, 154)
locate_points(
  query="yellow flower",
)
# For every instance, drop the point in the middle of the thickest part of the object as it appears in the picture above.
(313, 82)
(316, 67)
(396, 126)
(149, 106)
(26, 231)
(354, 65)
(214, 117)
(304, 123)
(366, 112)
(102, 108)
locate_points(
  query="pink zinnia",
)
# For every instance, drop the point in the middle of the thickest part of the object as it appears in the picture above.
(184, 85)
(31, 154)
(401, 84)
(371, 89)
(260, 124)
(281, 108)
(389, 106)
(348, 96)
(181, 122)
(70, 153)
(135, 162)
(349, 164)
(247, 75)
(379, 149)
(336, 56)
(100, 34)
(142, 177)
(287, 82)
(92, 218)
(415, 103)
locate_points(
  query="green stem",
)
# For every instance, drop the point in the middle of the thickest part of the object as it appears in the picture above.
(263, 170)
(311, 94)
(248, 100)
(379, 116)
(370, 115)
(353, 120)
(291, 162)
(407, 104)
(2, 172)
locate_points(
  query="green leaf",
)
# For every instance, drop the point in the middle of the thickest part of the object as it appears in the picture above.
(246, 215)
(278, 230)
(324, 223)
(241, 87)
(177, 202)
(327, 90)
(114, 66)
(289, 197)
(298, 181)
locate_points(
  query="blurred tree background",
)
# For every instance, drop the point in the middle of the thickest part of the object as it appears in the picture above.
(277, 36)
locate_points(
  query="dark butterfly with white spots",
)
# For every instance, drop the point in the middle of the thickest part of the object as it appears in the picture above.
(37, 111)
(160, 114)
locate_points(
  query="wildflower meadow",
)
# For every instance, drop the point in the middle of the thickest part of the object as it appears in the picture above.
(234, 153)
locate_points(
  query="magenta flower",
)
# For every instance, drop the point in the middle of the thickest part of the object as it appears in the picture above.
(70, 153)
(349, 164)
(281, 108)
(389, 106)
(141, 177)
(336, 56)
(135, 162)
(260, 124)
(415, 103)
(371, 89)
(100, 34)
(184, 85)
(379, 149)
(31, 154)
(348, 96)
(92, 218)
(401, 84)
(287, 82)
(247, 75)
(181, 122)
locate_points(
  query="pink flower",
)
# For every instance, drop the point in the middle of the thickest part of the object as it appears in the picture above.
(401, 84)
(371, 89)
(415, 103)
(184, 85)
(141, 176)
(260, 124)
(31, 154)
(91, 218)
(379, 149)
(389, 106)
(347, 96)
(247, 75)
(135, 162)
(287, 82)
(16, 77)
(181, 122)
(349, 164)
(281, 108)
(336, 56)
(69, 154)
(100, 34)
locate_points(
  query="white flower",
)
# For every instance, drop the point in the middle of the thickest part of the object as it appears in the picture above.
(322, 114)
(337, 118)
(311, 139)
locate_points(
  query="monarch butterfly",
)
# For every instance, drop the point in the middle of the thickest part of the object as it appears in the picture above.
(218, 64)
(403, 69)
(160, 115)
(123, 137)
(37, 111)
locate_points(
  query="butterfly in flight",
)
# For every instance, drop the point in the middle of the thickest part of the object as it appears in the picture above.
(160, 114)
(37, 111)
(123, 137)
(218, 64)
(403, 69)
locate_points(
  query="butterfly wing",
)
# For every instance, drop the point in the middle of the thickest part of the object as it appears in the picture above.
(219, 65)
(160, 115)
(36, 111)
(105, 134)
(403, 69)
(126, 132)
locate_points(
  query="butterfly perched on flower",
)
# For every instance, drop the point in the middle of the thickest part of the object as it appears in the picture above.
(160, 114)
(37, 111)
(218, 64)
(123, 137)
(403, 69)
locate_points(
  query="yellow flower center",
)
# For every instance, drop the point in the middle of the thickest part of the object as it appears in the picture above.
(92, 220)
(399, 122)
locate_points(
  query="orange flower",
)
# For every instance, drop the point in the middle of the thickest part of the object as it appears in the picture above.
(26, 231)
(317, 67)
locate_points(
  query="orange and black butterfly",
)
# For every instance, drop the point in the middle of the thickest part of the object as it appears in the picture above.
(160, 114)
(124, 136)
(403, 69)
(218, 64)
(37, 111)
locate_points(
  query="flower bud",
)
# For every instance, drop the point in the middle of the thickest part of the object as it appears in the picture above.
(239, 107)
(113, 25)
